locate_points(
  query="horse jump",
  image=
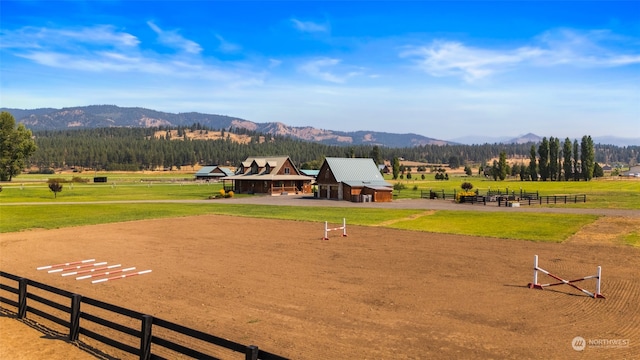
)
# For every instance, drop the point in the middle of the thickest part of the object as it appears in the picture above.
(90, 269)
(536, 285)
(327, 229)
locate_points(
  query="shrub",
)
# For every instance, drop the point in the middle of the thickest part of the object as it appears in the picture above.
(399, 186)
(78, 179)
(466, 186)
(56, 187)
(229, 194)
(463, 193)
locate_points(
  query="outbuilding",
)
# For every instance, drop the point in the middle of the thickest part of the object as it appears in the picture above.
(213, 173)
(352, 179)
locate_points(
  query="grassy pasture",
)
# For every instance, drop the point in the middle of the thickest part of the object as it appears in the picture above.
(536, 227)
(617, 194)
(112, 191)
(606, 193)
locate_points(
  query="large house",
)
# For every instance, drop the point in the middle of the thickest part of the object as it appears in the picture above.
(270, 175)
(352, 179)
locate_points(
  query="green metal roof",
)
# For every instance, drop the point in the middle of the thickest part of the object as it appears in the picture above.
(207, 171)
(356, 171)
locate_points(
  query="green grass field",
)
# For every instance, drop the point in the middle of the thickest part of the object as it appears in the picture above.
(606, 193)
(46, 212)
(39, 192)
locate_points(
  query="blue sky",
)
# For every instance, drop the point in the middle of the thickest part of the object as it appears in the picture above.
(439, 69)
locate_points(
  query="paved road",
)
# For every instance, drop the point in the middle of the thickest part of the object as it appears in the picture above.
(425, 204)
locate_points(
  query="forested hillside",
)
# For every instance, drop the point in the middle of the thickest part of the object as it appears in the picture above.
(141, 149)
(103, 116)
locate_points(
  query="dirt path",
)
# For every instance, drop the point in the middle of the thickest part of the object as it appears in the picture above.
(377, 294)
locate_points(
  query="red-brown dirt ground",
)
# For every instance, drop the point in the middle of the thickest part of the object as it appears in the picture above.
(376, 294)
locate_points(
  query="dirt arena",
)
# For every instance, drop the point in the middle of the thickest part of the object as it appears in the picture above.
(376, 294)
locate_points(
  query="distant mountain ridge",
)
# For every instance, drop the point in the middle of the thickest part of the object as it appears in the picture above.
(95, 116)
(533, 138)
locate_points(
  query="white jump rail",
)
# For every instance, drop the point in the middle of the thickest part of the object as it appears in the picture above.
(327, 229)
(536, 285)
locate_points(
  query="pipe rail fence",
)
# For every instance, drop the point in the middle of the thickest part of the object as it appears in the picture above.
(145, 333)
(506, 198)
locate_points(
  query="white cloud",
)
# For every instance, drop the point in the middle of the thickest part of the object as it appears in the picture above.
(308, 26)
(444, 58)
(594, 48)
(274, 63)
(102, 49)
(553, 48)
(319, 69)
(174, 40)
(226, 46)
(37, 38)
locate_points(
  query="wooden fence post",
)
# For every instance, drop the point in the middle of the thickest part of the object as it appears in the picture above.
(22, 297)
(74, 323)
(251, 353)
(145, 337)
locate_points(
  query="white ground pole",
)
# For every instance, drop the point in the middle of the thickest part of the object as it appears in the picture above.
(77, 267)
(66, 264)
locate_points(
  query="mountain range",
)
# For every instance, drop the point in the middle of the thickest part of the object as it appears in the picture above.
(95, 116)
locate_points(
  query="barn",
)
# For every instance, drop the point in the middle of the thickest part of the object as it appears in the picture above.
(352, 179)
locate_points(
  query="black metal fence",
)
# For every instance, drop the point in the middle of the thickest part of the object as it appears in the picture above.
(69, 317)
(438, 194)
(506, 198)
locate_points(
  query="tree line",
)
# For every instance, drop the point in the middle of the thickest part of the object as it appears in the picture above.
(137, 149)
(133, 149)
(551, 162)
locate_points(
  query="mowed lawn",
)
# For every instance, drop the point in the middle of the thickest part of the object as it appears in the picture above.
(44, 211)
(531, 226)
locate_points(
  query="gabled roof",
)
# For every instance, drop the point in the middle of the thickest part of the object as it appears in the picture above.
(275, 163)
(356, 172)
(207, 171)
(310, 172)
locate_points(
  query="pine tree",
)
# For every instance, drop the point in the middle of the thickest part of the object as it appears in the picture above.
(533, 173)
(554, 149)
(543, 163)
(396, 168)
(587, 157)
(502, 166)
(576, 164)
(566, 153)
